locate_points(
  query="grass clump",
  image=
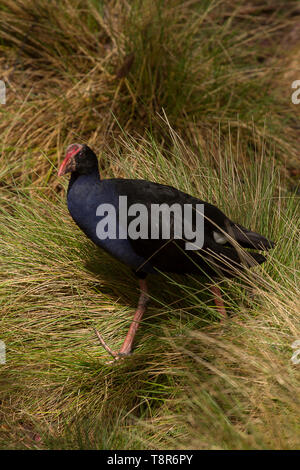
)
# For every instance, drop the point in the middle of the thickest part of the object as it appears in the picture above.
(71, 66)
(188, 375)
(191, 94)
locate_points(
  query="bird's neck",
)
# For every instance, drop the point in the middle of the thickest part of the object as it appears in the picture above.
(75, 175)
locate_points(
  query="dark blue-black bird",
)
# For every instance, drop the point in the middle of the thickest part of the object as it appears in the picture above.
(93, 201)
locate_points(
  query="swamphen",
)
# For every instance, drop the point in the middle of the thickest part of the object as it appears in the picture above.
(93, 201)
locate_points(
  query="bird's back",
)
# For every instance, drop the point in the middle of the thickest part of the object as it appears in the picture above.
(217, 255)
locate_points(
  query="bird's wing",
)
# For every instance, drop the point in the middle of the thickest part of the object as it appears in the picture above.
(170, 253)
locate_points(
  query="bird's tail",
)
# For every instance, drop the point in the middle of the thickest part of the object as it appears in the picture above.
(248, 239)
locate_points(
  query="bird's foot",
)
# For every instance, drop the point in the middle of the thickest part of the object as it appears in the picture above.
(118, 356)
(115, 355)
(128, 342)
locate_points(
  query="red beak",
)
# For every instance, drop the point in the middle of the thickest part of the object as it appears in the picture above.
(68, 163)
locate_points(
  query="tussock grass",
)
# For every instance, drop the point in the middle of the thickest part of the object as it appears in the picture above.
(180, 95)
(204, 63)
(190, 382)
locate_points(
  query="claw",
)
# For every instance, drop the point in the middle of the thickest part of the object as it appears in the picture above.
(119, 356)
(105, 346)
(116, 355)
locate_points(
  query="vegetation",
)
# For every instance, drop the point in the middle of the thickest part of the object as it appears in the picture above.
(192, 94)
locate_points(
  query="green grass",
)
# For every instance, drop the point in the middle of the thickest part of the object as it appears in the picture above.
(190, 382)
(203, 108)
(204, 63)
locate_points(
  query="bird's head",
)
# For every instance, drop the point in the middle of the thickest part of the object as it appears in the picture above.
(79, 158)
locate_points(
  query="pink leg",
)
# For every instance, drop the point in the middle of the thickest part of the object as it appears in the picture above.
(219, 302)
(128, 342)
(141, 308)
